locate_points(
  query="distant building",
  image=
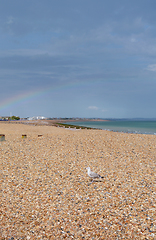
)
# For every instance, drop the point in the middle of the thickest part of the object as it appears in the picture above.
(4, 118)
(36, 118)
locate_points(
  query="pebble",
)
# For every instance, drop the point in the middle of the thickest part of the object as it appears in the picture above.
(47, 194)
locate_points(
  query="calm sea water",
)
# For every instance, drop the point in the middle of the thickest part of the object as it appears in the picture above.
(130, 126)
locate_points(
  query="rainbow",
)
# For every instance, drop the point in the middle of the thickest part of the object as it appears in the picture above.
(18, 98)
(30, 95)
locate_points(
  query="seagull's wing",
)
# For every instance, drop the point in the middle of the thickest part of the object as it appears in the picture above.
(94, 175)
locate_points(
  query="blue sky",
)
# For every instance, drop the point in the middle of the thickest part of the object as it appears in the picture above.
(81, 58)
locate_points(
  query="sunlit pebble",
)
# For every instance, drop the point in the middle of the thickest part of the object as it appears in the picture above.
(46, 190)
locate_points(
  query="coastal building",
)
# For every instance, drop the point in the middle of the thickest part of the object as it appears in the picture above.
(36, 118)
(4, 118)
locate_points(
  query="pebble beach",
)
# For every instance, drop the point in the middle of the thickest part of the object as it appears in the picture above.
(47, 194)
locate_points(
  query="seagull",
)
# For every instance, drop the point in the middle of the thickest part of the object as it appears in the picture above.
(92, 174)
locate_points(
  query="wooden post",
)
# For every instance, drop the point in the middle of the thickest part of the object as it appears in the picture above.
(24, 136)
(2, 137)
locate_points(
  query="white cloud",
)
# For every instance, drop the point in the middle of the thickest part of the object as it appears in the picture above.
(133, 39)
(93, 108)
(10, 20)
(152, 67)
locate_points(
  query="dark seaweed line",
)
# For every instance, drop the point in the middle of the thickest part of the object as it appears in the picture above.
(72, 126)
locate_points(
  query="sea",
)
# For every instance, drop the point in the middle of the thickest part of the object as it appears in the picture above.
(121, 125)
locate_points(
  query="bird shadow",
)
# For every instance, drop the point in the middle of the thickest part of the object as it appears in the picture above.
(95, 181)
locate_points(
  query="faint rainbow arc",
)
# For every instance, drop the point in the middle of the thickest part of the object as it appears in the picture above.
(29, 95)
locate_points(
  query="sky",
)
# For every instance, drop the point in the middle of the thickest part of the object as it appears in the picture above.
(85, 58)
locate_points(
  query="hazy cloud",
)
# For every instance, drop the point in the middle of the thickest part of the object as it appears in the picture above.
(152, 67)
(93, 108)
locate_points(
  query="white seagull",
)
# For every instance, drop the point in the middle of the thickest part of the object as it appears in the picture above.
(92, 174)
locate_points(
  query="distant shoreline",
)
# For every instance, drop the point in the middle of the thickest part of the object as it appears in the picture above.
(138, 127)
(60, 123)
(53, 122)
